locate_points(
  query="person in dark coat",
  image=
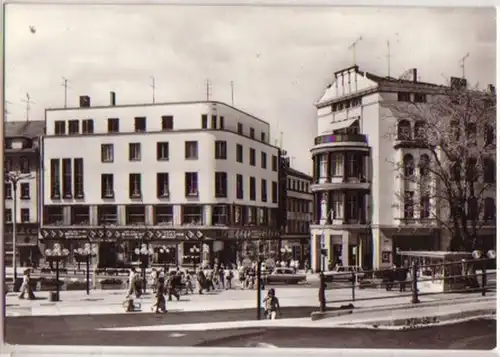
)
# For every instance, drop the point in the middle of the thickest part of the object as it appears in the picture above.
(172, 287)
(160, 304)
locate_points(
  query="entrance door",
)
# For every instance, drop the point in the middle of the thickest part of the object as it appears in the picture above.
(107, 255)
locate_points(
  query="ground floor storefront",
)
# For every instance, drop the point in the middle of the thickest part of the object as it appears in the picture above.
(123, 247)
(27, 250)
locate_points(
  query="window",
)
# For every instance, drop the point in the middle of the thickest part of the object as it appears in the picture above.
(134, 186)
(88, 126)
(263, 160)
(25, 215)
(107, 186)
(191, 184)
(403, 97)
(455, 171)
(352, 165)
(239, 187)
(274, 192)
(471, 130)
(162, 151)
(53, 215)
(237, 215)
(55, 178)
(167, 122)
(134, 151)
(323, 165)
(239, 153)
(252, 133)
(8, 215)
(404, 130)
(60, 127)
(489, 209)
(253, 194)
(25, 191)
(192, 214)
(80, 215)
(221, 123)
(113, 125)
(263, 137)
(252, 157)
(163, 215)
(220, 150)
(489, 135)
(337, 165)
(78, 177)
(107, 214)
(420, 98)
(471, 172)
(24, 164)
(7, 164)
(67, 178)
(419, 130)
(73, 127)
(240, 128)
(204, 121)
(251, 215)
(220, 215)
(7, 190)
(214, 121)
(489, 170)
(162, 185)
(220, 184)
(425, 206)
(409, 204)
(338, 207)
(139, 124)
(263, 190)
(424, 165)
(135, 215)
(107, 153)
(274, 163)
(472, 209)
(352, 206)
(191, 150)
(408, 165)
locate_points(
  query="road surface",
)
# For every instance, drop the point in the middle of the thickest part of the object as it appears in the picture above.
(84, 330)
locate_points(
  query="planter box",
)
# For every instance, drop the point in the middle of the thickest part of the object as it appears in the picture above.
(111, 286)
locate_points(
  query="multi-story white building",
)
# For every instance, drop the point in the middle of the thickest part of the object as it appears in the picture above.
(357, 220)
(170, 175)
(21, 189)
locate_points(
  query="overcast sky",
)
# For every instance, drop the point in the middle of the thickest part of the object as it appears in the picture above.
(280, 59)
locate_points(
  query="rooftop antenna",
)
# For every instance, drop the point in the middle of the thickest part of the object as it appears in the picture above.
(352, 47)
(462, 63)
(281, 140)
(232, 93)
(207, 84)
(28, 102)
(65, 85)
(388, 59)
(153, 86)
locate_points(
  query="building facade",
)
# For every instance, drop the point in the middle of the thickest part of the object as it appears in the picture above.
(358, 218)
(192, 180)
(21, 190)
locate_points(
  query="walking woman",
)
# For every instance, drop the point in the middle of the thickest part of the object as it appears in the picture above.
(160, 302)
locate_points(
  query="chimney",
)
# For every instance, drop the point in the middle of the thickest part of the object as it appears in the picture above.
(492, 89)
(84, 101)
(112, 99)
(458, 83)
(414, 71)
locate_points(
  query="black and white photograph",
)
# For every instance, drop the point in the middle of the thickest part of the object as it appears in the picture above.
(270, 177)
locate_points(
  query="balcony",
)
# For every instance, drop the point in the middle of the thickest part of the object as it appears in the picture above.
(339, 183)
(339, 140)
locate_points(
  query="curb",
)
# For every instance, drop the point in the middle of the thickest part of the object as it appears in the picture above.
(322, 315)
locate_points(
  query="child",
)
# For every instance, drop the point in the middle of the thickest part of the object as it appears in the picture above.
(271, 305)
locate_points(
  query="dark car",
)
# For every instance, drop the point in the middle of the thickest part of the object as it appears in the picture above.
(285, 276)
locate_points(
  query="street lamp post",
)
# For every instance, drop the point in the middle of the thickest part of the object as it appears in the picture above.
(85, 254)
(165, 250)
(13, 178)
(144, 253)
(56, 254)
(285, 252)
(195, 254)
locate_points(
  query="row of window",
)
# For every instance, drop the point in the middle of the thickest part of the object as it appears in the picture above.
(25, 215)
(347, 206)
(346, 104)
(163, 215)
(412, 97)
(297, 185)
(72, 178)
(297, 205)
(190, 153)
(24, 165)
(296, 227)
(24, 190)
(346, 164)
(140, 126)
(191, 186)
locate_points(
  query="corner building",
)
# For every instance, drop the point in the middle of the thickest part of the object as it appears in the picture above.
(357, 217)
(172, 176)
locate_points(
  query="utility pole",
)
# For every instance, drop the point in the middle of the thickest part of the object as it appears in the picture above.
(28, 102)
(388, 58)
(65, 85)
(153, 86)
(207, 83)
(232, 93)
(352, 47)
(462, 63)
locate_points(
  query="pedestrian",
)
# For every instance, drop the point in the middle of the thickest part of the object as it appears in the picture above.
(154, 279)
(189, 284)
(271, 305)
(131, 283)
(201, 282)
(241, 276)
(26, 286)
(172, 287)
(222, 276)
(160, 304)
(229, 279)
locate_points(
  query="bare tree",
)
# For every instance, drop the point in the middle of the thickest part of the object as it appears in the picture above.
(454, 178)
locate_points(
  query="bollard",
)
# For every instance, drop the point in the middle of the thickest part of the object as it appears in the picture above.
(321, 293)
(259, 287)
(353, 286)
(483, 279)
(414, 295)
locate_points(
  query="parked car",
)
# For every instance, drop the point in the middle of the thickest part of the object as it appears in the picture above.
(285, 276)
(344, 273)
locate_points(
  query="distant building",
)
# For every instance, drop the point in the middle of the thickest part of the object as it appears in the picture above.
(22, 167)
(171, 175)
